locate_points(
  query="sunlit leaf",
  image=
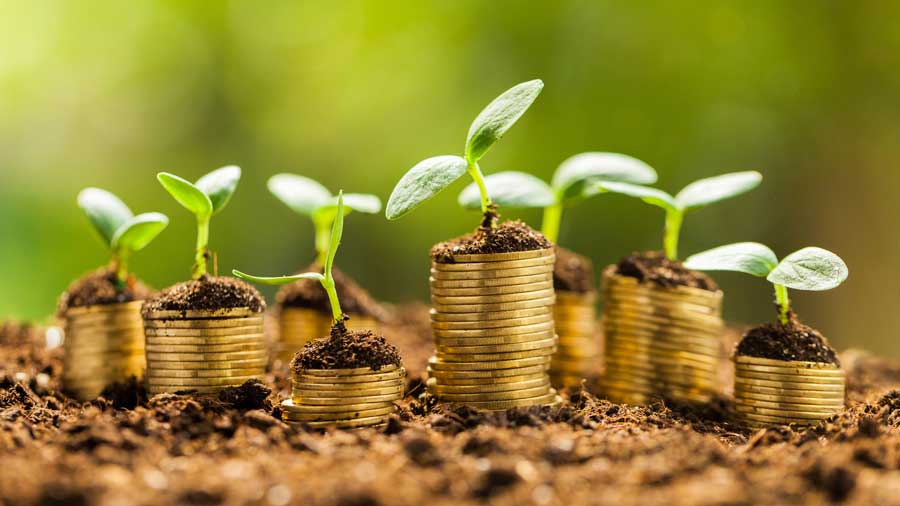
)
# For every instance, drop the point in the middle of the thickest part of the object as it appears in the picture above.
(186, 194)
(499, 116)
(509, 189)
(575, 176)
(105, 211)
(428, 178)
(136, 233)
(219, 185)
(747, 257)
(713, 189)
(301, 194)
(810, 269)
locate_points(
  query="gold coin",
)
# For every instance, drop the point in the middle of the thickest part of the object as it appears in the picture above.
(711, 352)
(491, 299)
(205, 349)
(657, 368)
(359, 371)
(443, 342)
(539, 344)
(491, 308)
(444, 388)
(292, 407)
(203, 373)
(799, 404)
(494, 266)
(355, 379)
(109, 327)
(484, 291)
(626, 284)
(341, 389)
(505, 382)
(798, 415)
(207, 364)
(492, 376)
(511, 282)
(793, 371)
(343, 415)
(676, 302)
(576, 352)
(513, 323)
(197, 314)
(550, 398)
(793, 378)
(341, 401)
(684, 319)
(660, 360)
(105, 308)
(502, 257)
(495, 357)
(670, 334)
(818, 394)
(348, 424)
(506, 395)
(298, 391)
(698, 393)
(249, 321)
(437, 316)
(439, 275)
(759, 361)
(570, 298)
(439, 365)
(799, 398)
(206, 357)
(542, 327)
(218, 332)
(200, 382)
(651, 382)
(201, 341)
(776, 420)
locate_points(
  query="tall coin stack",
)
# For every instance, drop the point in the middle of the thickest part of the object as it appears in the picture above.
(492, 320)
(575, 316)
(344, 398)
(660, 341)
(103, 344)
(769, 392)
(204, 351)
(297, 325)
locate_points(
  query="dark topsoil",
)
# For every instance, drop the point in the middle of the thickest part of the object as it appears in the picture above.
(346, 349)
(207, 293)
(506, 237)
(573, 272)
(654, 267)
(101, 287)
(232, 450)
(308, 293)
(794, 341)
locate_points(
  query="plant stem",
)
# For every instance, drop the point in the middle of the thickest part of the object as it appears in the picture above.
(202, 243)
(476, 174)
(673, 230)
(323, 237)
(120, 261)
(328, 285)
(552, 220)
(784, 303)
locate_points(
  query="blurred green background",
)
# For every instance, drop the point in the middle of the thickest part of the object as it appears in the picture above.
(354, 93)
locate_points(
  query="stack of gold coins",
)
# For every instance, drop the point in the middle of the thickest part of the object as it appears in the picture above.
(660, 341)
(103, 344)
(204, 351)
(492, 320)
(344, 398)
(778, 392)
(575, 316)
(298, 326)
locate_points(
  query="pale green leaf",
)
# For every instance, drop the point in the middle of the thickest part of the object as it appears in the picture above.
(105, 211)
(747, 257)
(713, 189)
(301, 194)
(428, 178)
(136, 233)
(810, 269)
(499, 116)
(219, 185)
(337, 233)
(649, 195)
(510, 189)
(574, 177)
(186, 194)
(362, 202)
(278, 280)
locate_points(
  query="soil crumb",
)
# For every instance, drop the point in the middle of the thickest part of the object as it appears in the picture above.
(794, 341)
(308, 293)
(253, 394)
(653, 266)
(507, 237)
(101, 287)
(573, 272)
(346, 349)
(207, 293)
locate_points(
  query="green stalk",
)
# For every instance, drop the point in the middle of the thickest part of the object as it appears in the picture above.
(673, 230)
(784, 303)
(476, 174)
(552, 220)
(323, 237)
(120, 260)
(202, 243)
(328, 285)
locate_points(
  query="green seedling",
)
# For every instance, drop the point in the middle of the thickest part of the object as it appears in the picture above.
(432, 175)
(309, 198)
(326, 278)
(205, 198)
(698, 194)
(810, 268)
(572, 183)
(121, 231)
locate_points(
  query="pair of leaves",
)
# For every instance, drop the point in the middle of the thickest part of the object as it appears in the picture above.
(310, 198)
(432, 175)
(571, 181)
(116, 224)
(807, 269)
(208, 196)
(698, 194)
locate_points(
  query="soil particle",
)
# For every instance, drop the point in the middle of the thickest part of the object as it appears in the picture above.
(346, 349)
(573, 272)
(253, 394)
(654, 267)
(507, 237)
(794, 341)
(126, 394)
(207, 293)
(495, 481)
(308, 293)
(101, 287)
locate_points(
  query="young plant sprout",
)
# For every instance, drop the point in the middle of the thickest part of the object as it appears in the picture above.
(327, 280)
(432, 175)
(122, 231)
(309, 198)
(810, 268)
(205, 198)
(698, 194)
(571, 184)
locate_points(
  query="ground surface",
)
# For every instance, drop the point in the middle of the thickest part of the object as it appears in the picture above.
(230, 450)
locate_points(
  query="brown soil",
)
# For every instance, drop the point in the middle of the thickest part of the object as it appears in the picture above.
(508, 236)
(346, 349)
(573, 272)
(308, 293)
(101, 287)
(794, 341)
(654, 267)
(208, 293)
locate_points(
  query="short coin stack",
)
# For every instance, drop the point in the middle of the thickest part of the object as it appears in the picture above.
(777, 392)
(344, 398)
(204, 351)
(492, 320)
(575, 316)
(663, 342)
(103, 344)
(297, 325)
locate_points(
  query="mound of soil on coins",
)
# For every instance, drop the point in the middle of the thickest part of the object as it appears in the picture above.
(101, 287)
(654, 267)
(507, 237)
(794, 341)
(207, 293)
(346, 349)
(308, 293)
(573, 272)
